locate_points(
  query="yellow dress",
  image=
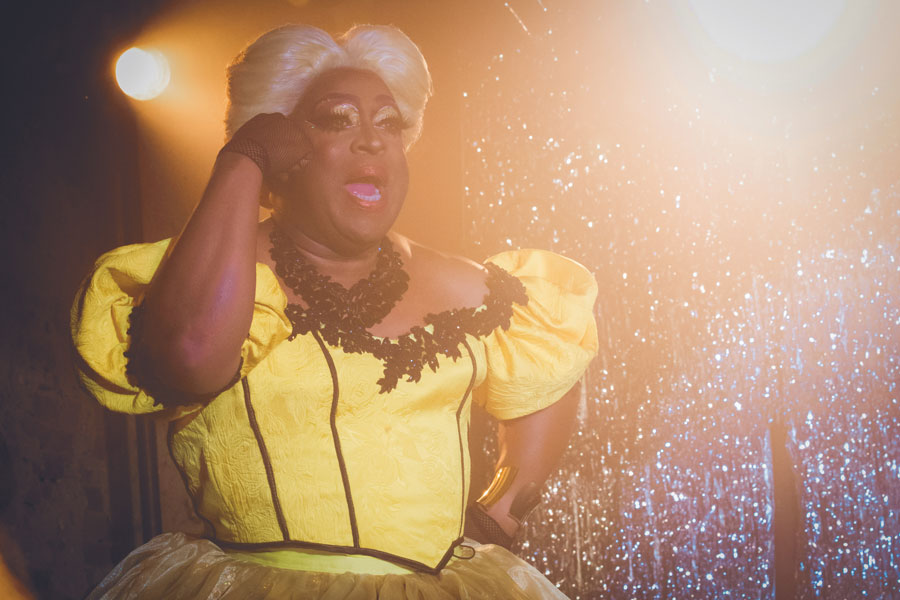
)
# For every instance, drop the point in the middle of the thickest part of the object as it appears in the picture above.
(311, 476)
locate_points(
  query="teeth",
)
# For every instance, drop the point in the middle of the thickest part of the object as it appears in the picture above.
(372, 198)
(368, 192)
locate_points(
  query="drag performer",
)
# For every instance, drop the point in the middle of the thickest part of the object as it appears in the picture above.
(317, 369)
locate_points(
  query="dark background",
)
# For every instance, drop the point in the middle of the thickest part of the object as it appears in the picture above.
(68, 183)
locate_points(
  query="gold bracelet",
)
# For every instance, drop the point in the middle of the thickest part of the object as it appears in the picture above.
(503, 479)
(525, 501)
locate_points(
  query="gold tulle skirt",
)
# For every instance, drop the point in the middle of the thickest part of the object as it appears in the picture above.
(178, 566)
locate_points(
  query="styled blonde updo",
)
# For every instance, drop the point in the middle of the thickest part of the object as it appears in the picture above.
(273, 72)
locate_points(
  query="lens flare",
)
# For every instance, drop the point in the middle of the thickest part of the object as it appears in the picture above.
(142, 74)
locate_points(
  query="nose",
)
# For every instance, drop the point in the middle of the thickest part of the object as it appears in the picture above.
(368, 139)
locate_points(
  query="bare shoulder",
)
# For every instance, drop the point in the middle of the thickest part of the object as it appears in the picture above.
(447, 281)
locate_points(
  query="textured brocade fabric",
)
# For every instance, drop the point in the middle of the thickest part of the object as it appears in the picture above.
(100, 323)
(552, 341)
(405, 452)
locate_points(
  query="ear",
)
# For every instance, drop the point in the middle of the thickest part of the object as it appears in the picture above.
(281, 184)
(266, 198)
(269, 200)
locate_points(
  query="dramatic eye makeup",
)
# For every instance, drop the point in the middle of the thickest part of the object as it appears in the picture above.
(345, 115)
(335, 117)
(388, 118)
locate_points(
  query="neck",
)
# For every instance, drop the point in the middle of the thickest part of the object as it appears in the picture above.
(345, 267)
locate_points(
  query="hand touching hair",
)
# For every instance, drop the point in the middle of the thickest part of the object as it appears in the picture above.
(273, 72)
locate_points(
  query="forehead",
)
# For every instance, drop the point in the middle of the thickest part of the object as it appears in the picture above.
(348, 83)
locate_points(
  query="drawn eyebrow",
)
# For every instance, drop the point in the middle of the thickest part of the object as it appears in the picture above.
(337, 96)
(382, 98)
(385, 99)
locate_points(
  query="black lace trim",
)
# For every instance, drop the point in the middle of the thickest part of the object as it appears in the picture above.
(133, 356)
(365, 304)
(406, 356)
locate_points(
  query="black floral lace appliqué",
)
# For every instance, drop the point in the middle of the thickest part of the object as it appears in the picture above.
(406, 356)
(365, 304)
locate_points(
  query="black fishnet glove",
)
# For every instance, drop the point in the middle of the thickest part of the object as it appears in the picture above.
(274, 142)
(482, 527)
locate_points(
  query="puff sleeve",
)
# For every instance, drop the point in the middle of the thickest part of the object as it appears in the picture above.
(550, 340)
(100, 323)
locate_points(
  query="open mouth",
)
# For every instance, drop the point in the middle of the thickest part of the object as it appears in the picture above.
(367, 189)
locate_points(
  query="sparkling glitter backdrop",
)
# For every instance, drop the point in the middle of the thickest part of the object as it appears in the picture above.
(743, 222)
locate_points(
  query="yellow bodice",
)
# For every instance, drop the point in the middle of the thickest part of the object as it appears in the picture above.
(305, 451)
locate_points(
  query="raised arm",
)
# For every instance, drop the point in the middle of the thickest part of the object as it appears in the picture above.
(197, 310)
(530, 448)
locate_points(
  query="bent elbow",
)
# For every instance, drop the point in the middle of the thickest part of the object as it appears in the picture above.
(184, 366)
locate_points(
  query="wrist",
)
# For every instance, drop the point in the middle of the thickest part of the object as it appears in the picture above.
(484, 529)
(237, 178)
(247, 149)
(510, 498)
(500, 514)
(497, 516)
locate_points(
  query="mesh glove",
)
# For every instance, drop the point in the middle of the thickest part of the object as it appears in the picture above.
(274, 142)
(482, 528)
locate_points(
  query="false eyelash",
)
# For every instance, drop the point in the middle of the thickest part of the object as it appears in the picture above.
(393, 124)
(344, 116)
(338, 117)
(392, 118)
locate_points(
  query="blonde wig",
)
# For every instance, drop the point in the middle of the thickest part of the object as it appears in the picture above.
(273, 72)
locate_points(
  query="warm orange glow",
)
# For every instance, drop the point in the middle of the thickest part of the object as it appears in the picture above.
(142, 74)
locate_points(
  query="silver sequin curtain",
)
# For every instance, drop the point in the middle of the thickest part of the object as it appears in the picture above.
(741, 422)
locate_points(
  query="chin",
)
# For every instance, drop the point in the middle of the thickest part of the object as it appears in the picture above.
(359, 241)
(370, 231)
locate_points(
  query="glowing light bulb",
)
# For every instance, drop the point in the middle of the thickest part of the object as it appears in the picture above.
(142, 74)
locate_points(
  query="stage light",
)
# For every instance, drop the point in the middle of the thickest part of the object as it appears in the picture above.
(768, 31)
(142, 74)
